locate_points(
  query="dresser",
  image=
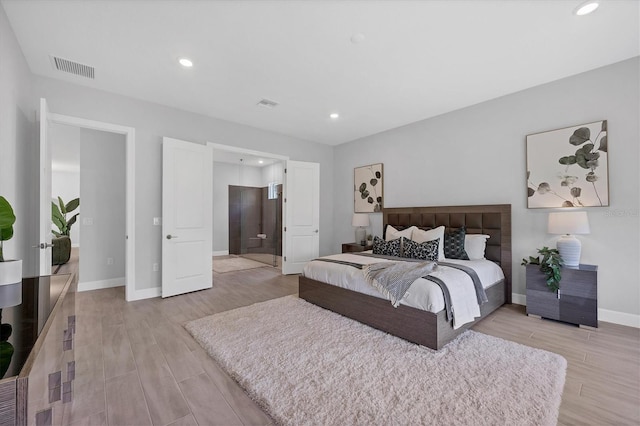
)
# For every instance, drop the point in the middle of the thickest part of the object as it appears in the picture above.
(38, 353)
(576, 301)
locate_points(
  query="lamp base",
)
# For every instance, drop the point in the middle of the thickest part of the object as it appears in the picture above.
(569, 248)
(361, 236)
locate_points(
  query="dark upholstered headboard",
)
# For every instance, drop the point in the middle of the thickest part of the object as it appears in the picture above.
(493, 220)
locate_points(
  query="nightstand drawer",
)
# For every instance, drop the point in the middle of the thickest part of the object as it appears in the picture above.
(353, 248)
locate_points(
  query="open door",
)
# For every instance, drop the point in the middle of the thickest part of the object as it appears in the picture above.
(44, 245)
(301, 241)
(187, 223)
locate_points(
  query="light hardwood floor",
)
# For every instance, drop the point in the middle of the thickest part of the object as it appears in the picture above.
(136, 365)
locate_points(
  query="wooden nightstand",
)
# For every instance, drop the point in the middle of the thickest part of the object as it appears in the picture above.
(353, 248)
(576, 302)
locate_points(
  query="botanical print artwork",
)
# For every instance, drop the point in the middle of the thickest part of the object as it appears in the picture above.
(368, 188)
(568, 167)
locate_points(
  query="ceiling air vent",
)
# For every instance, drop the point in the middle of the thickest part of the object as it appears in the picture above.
(267, 103)
(73, 67)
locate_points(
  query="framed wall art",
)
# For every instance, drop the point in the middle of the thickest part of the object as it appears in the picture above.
(568, 167)
(367, 197)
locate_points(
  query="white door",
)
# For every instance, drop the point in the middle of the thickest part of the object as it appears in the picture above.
(302, 215)
(44, 243)
(187, 218)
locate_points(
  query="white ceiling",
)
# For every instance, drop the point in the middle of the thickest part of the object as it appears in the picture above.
(418, 59)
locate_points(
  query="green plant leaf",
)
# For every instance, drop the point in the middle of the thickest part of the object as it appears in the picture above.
(370, 200)
(379, 199)
(378, 174)
(57, 234)
(6, 233)
(62, 206)
(604, 125)
(363, 187)
(591, 177)
(364, 194)
(72, 220)
(576, 191)
(7, 217)
(567, 204)
(373, 182)
(580, 136)
(72, 205)
(530, 191)
(543, 188)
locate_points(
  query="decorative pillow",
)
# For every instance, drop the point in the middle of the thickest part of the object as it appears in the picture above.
(474, 245)
(388, 248)
(393, 234)
(420, 236)
(425, 251)
(454, 244)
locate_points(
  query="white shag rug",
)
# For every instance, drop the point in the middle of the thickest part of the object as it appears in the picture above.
(305, 365)
(235, 264)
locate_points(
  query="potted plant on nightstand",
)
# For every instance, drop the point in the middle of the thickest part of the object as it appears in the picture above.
(10, 270)
(61, 252)
(550, 264)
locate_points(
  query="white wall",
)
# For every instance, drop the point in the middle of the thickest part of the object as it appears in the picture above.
(225, 174)
(273, 173)
(103, 219)
(18, 149)
(476, 155)
(151, 123)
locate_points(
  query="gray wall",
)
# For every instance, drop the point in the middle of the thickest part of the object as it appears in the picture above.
(476, 155)
(18, 151)
(102, 196)
(152, 122)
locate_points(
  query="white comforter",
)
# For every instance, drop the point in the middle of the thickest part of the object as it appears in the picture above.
(423, 294)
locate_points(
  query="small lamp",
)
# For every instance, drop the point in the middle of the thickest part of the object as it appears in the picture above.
(568, 223)
(361, 221)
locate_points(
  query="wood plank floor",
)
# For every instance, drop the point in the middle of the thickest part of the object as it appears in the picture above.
(136, 365)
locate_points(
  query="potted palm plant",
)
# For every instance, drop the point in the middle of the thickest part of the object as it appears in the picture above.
(10, 270)
(61, 251)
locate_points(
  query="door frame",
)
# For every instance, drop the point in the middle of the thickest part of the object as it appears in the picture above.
(130, 242)
(229, 148)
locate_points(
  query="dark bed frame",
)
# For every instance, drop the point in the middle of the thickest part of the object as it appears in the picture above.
(415, 325)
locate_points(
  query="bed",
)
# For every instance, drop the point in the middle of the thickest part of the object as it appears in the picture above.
(430, 329)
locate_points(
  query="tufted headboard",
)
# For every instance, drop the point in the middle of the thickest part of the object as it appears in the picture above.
(493, 220)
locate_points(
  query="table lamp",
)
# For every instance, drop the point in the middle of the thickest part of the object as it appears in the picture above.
(567, 224)
(361, 221)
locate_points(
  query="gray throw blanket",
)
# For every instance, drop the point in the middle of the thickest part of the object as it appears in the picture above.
(393, 279)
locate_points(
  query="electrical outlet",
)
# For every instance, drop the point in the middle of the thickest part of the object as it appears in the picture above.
(157, 221)
(156, 267)
(109, 260)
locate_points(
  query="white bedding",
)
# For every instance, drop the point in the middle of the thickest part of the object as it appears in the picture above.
(423, 294)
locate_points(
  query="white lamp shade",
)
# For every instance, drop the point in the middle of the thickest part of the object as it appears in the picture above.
(360, 219)
(568, 223)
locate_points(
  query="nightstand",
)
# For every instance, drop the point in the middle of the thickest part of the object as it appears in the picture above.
(576, 301)
(353, 248)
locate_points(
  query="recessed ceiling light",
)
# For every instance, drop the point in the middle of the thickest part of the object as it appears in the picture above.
(260, 161)
(334, 115)
(586, 8)
(357, 38)
(185, 62)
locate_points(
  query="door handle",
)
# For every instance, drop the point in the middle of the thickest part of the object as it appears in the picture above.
(316, 231)
(169, 236)
(43, 246)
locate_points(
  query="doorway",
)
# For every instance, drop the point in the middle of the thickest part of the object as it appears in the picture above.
(47, 119)
(247, 214)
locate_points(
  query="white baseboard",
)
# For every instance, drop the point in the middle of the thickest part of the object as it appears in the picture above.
(97, 285)
(518, 299)
(220, 253)
(621, 318)
(75, 245)
(146, 293)
(606, 315)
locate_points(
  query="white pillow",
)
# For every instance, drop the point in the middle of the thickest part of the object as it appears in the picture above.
(393, 234)
(420, 236)
(474, 245)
